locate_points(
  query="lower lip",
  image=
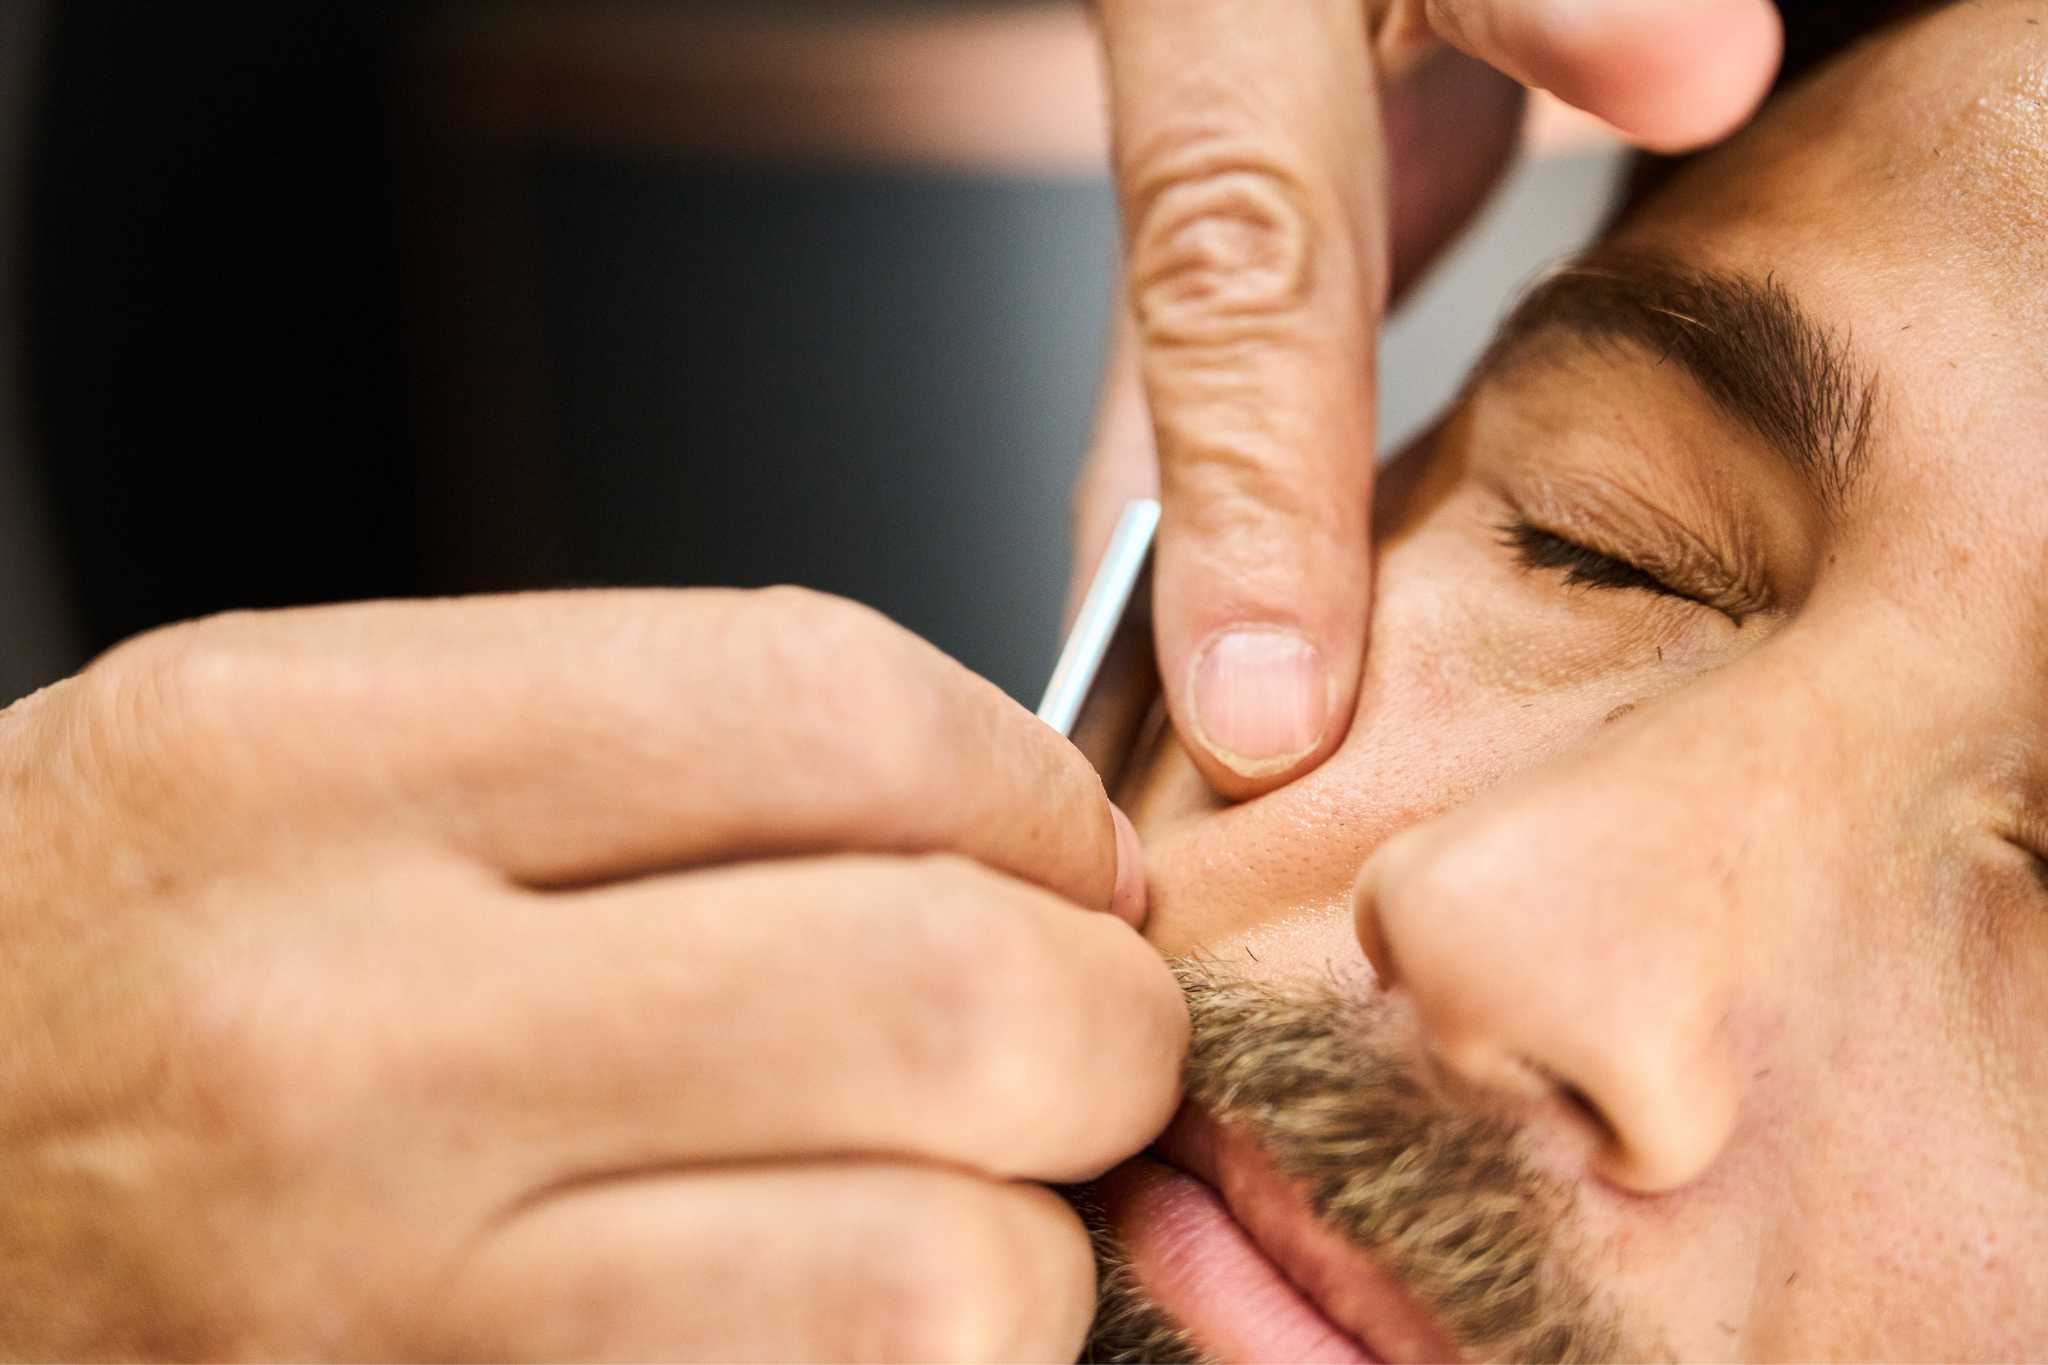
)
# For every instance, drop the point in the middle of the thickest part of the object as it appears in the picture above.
(1194, 1260)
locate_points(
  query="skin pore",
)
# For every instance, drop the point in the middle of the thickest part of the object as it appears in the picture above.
(1678, 895)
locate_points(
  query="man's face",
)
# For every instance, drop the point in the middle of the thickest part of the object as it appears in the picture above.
(1662, 963)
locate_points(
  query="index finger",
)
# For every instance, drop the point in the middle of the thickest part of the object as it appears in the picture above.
(569, 738)
(1248, 162)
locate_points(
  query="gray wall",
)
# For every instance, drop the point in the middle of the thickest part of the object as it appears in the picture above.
(1547, 209)
(880, 383)
(871, 382)
(875, 382)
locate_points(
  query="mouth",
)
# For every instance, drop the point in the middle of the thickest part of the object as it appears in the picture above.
(1226, 1245)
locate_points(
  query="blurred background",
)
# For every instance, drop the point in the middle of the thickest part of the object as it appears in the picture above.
(334, 299)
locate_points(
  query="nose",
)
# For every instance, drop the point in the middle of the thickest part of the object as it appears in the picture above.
(1572, 939)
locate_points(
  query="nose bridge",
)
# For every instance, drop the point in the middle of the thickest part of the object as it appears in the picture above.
(1593, 926)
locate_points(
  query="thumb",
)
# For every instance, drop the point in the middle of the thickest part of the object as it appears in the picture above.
(1671, 75)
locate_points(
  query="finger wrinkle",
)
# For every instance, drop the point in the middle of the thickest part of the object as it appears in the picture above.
(1221, 245)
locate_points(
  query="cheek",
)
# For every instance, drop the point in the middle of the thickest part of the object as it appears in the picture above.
(1476, 626)
(1445, 711)
(1903, 1181)
(1232, 880)
(1467, 684)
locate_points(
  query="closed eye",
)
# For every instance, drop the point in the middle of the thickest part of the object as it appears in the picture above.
(1582, 565)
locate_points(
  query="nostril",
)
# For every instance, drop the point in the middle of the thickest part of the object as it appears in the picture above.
(1372, 938)
(1386, 876)
(1594, 1133)
(1668, 1123)
(1578, 1107)
(1502, 929)
(1491, 1076)
(1568, 1094)
(1582, 1107)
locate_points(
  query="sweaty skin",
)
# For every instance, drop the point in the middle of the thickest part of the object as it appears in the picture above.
(1723, 893)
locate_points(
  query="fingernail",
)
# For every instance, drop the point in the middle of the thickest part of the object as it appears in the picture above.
(1127, 902)
(1261, 699)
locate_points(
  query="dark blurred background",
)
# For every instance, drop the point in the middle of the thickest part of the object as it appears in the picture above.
(333, 300)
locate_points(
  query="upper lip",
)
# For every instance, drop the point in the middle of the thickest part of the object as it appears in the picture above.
(1345, 1283)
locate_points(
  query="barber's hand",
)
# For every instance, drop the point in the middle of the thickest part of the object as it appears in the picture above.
(671, 975)
(1285, 166)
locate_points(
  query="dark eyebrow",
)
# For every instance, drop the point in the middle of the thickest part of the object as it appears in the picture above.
(1760, 356)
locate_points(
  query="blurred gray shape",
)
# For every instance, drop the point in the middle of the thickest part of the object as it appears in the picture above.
(879, 381)
(1548, 208)
(869, 380)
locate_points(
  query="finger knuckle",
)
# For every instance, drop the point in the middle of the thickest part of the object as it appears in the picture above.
(168, 702)
(857, 698)
(947, 1290)
(796, 633)
(805, 639)
(957, 931)
(987, 989)
(164, 679)
(238, 1087)
(1224, 245)
(852, 689)
(809, 614)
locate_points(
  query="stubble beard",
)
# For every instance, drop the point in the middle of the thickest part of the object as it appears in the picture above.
(1434, 1191)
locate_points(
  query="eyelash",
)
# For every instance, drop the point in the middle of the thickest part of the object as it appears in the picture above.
(1583, 565)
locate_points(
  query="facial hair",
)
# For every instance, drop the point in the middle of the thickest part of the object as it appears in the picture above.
(1432, 1190)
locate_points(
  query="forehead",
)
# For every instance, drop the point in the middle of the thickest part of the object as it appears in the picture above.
(1926, 145)
(1901, 192)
